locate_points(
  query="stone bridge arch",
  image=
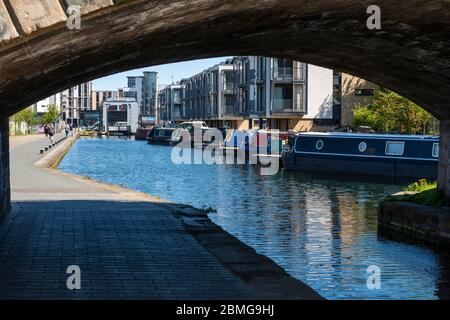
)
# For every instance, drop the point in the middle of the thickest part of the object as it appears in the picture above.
(40, 56)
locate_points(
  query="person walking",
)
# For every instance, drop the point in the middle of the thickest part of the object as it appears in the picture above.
(67, 129)
(46, 129)
(51, 131)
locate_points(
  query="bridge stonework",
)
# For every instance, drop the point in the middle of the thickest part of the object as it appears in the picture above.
(5, 189)
(40, 56)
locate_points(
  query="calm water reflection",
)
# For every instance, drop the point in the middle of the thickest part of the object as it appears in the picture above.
(323, 232)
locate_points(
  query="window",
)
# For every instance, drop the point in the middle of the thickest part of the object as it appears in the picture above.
(435, 152)
(319, 144)
(364, 92)
(131, 82)
(394, 148)
(362, 147)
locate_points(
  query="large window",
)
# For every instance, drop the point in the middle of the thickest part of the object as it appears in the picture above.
(282, 98)
(364, 92)
(131, 82)
(435, 152)
(282, 69)
(395, 148)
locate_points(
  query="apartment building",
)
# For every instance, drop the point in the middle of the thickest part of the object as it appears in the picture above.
(74, 101)
(41, 107)
(258, 92)
(144, 90)
(283, 94)
(100, 96)
(171, 103)
(207, 95)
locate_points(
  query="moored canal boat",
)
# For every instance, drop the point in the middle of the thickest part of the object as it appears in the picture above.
(160, 135)
(404, 156)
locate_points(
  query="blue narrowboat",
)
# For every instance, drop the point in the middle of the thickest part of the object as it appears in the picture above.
(390, 155)
(160, 135)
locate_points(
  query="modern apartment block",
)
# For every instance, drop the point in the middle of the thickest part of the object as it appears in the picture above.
(208, 95)
(283, 94)
(171, 103)
(74, 101)
(257, 92)
(100, 96)
(144, 90)
(42, 106)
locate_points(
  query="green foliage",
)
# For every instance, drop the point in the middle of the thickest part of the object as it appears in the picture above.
(209, 210)
(390, 112)
(26, 115)
(51, 115)
(421, 185)
(422, 192)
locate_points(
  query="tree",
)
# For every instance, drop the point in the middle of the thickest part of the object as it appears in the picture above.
(390, 112)
(26, 115)
(51, 115)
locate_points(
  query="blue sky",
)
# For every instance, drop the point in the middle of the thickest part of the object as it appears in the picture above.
(166, 71)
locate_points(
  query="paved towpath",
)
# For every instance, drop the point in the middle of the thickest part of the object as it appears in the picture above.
(126, 244)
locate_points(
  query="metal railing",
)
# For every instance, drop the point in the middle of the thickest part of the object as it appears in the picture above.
(282, 105)
(288, 74)
(228, 110)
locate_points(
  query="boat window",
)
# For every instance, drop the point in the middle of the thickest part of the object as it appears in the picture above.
(395, 148)
(362, 147)
(435, 152)
(319, 144)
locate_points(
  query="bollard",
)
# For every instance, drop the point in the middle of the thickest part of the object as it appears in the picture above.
(41, 151)
(46, 148)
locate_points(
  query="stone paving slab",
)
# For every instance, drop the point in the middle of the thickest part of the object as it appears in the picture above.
(124, 249)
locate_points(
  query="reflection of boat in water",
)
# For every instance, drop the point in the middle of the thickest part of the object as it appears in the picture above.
(366, 154)
(161, 135)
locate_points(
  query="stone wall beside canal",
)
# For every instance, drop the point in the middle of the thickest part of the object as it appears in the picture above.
(424, 223)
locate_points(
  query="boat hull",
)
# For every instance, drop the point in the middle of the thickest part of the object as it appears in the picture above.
(414, 169)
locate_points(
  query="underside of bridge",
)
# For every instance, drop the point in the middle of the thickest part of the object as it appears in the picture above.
(40, 56)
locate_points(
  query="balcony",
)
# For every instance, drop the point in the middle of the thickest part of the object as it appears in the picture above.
(228, 110)
(286, 106)
(288, 74)
(228, 88)
(282, 105)
(283, 74)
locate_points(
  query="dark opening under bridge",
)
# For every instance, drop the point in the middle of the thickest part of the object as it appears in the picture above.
(40, 56)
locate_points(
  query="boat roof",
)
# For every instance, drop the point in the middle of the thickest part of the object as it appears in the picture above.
(164, 128)
(368, 135)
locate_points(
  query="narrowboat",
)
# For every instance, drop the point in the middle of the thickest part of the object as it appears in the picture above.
(196, 130)
(142, 133)
(389, 155)
(161, 135)
(255, 143)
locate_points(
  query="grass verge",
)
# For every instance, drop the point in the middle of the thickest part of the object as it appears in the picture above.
(422, 192)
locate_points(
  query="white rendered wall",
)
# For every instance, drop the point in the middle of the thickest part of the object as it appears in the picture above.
(320, 93)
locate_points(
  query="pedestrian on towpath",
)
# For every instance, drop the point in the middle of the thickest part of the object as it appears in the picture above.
(51, 131)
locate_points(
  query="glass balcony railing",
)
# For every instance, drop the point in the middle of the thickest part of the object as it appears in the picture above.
(282, 105)
(228, 87)
(228, 110)
(288, 74)
(283, 74)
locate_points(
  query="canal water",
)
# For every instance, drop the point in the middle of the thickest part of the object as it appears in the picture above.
(322, 231)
